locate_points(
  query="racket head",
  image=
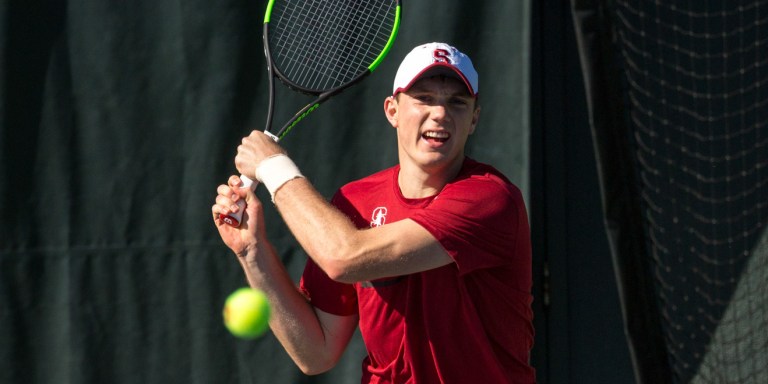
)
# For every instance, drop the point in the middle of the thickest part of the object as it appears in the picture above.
(321, 47)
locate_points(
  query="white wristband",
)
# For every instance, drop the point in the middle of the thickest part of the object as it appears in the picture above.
(275, 171)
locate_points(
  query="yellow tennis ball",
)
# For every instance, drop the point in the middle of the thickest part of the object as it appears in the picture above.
(246, 313)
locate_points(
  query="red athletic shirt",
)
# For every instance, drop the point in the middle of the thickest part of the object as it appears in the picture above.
(466, 322)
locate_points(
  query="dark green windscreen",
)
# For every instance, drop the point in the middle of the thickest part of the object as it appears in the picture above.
(118, 119)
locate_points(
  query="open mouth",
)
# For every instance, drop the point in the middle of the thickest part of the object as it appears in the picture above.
(436, 136)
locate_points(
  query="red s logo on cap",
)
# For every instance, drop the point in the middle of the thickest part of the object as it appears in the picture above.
(442, 56)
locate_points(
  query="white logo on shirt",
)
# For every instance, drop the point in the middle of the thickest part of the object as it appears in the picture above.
(378, 217)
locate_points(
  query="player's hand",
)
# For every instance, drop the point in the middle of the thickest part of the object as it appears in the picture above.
(254, 148)
(241, 240)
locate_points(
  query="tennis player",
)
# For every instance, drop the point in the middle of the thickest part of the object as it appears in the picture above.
(430, 258)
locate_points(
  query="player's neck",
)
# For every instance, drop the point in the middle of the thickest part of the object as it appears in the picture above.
(416, 182)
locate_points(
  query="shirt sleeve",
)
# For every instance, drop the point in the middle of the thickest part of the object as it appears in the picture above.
(323, 292)
(326, 294)
(478, 221)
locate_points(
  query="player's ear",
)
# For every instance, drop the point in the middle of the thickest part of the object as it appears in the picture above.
(391, 110)
(475, 118)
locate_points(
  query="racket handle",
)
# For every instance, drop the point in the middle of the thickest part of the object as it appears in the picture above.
(235, 218)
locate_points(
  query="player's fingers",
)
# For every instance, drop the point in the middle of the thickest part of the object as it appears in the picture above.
(227, 204)
(250, 197)
(261, 144)
(256, 135)
(224, 190)
(216, 211)
(234, 181)
(231, 192)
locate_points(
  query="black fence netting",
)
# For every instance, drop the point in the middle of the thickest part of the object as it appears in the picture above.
(688, 124)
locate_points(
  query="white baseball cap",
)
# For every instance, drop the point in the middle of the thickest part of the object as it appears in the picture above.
(435, 59)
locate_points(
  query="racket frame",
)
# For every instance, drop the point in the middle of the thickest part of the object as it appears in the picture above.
(274, 72)
(322, 96)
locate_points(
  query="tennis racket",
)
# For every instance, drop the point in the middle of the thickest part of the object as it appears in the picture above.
(320, 48)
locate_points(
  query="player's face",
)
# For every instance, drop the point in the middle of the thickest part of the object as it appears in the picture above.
(433, 118)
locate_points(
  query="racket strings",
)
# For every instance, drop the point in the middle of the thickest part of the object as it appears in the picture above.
(338, 67)
(323, 44)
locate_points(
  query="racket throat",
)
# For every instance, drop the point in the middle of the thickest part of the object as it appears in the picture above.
(272, 136)
(299, 116)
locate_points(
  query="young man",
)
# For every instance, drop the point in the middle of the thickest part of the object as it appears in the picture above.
(430, 258)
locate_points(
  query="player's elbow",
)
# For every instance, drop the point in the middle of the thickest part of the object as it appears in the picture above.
(341, 266)
(317, 365)
(339, 271)
(313, 369)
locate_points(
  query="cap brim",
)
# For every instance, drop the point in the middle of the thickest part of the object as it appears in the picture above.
(439, 69)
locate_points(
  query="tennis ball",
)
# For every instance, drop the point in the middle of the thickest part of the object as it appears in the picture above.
(246, 313)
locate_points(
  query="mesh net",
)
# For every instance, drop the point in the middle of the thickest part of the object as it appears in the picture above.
(697, 87)
(323, 44)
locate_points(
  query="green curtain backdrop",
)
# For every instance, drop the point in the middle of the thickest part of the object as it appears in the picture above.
(117, 121)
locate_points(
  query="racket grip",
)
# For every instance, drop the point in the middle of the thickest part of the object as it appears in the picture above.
(235, 218)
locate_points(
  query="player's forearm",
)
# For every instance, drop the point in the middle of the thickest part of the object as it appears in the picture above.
(293, 320)
(348, 254)
(325, 233)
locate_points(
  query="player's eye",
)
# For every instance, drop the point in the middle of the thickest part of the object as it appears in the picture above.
(459, 102)
(424, 98)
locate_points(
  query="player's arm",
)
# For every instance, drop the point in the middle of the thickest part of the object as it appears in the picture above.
(314, 339)
(349, 254)
(344, 252)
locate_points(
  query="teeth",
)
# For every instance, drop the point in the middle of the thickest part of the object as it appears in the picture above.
(436, 135)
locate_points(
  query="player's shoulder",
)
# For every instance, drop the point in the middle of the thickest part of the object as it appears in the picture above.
(369, 183)
(481, 190)
(484, 177)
